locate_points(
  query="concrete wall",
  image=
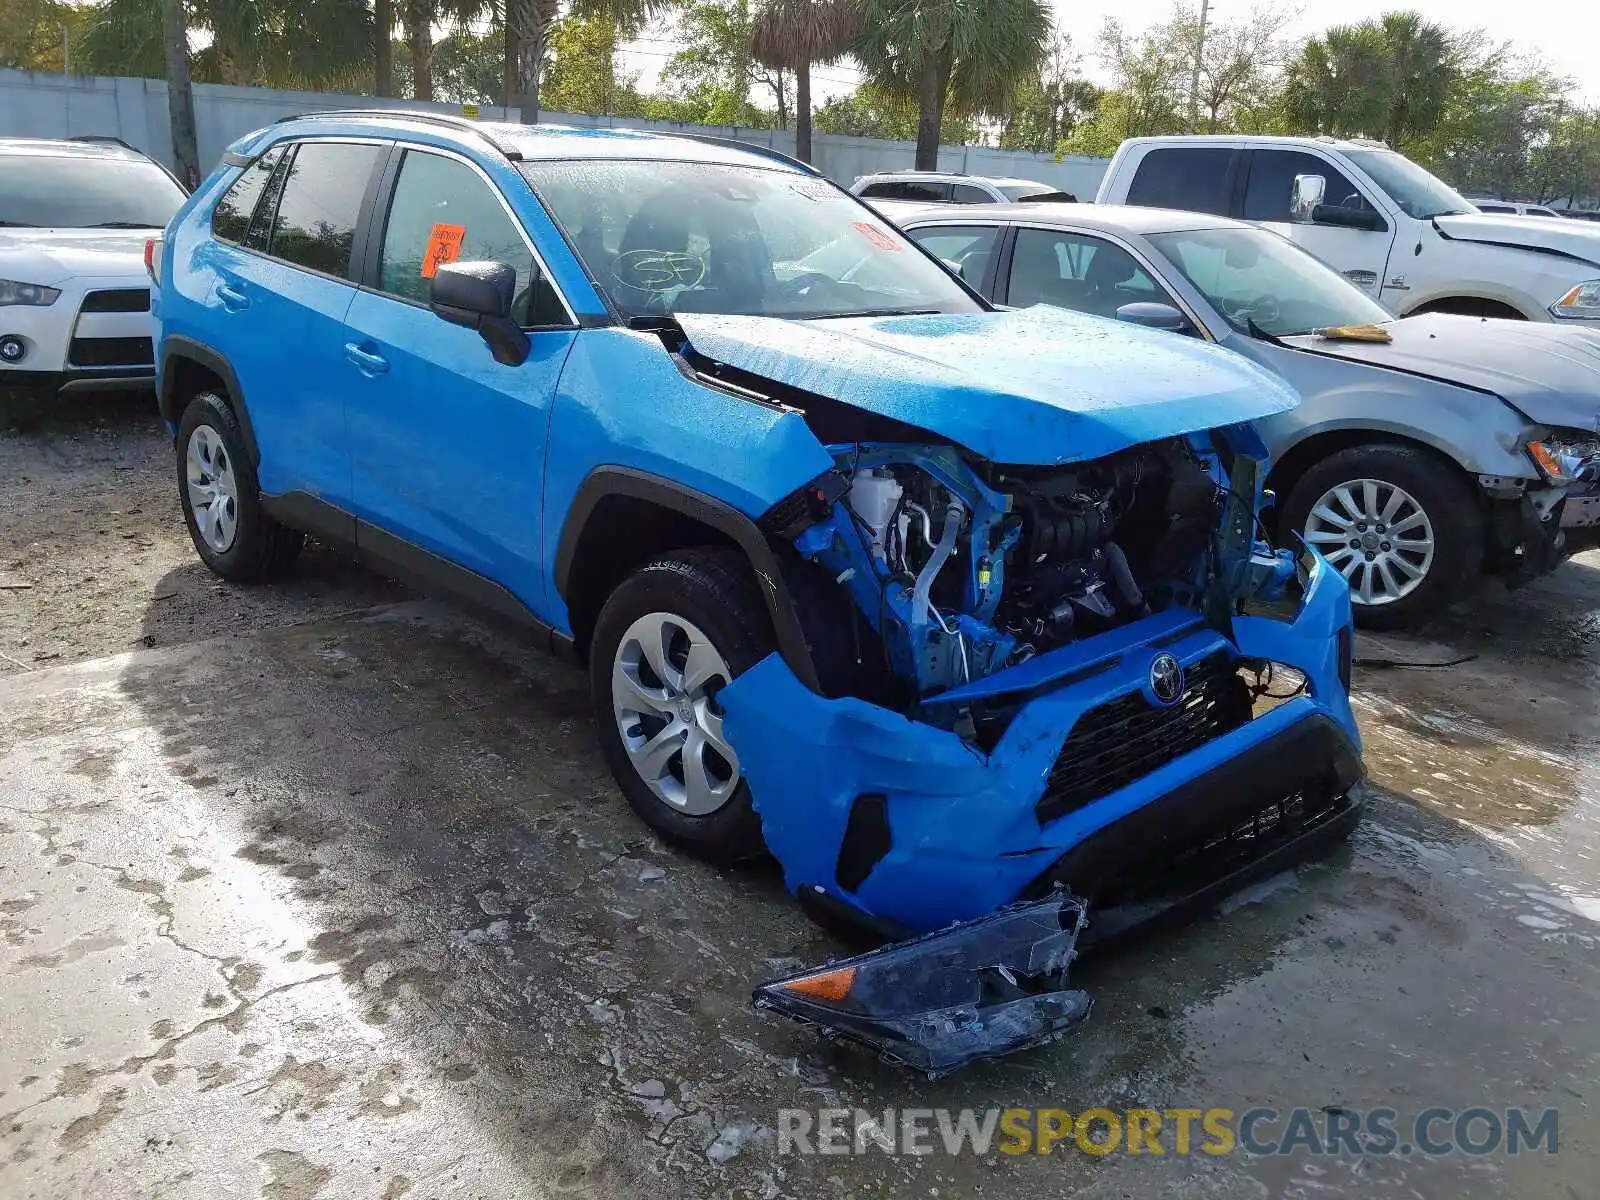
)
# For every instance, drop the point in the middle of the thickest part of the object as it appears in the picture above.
(135, 110)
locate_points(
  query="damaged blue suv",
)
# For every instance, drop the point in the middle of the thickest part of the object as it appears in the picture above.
(960, 614)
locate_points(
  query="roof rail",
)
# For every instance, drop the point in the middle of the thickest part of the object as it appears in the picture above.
(104, 139)
(749, 147)
(409, 114)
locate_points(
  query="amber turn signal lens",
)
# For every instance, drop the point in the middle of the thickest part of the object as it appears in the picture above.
(825, 985)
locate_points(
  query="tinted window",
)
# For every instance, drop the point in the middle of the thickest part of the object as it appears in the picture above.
(970, 248)
(1533, 210)
(1071, 270)
(316, 219)
(1485, 206)
(663, 237)
(907, 189)
(966, 193)
(1193, 178)
(93, 191)
(1416, 193)
(1022, 191)
(444, 211)
(231, 218)
(1272, 172)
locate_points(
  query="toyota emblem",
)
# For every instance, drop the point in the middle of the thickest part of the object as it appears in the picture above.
(1166, 678)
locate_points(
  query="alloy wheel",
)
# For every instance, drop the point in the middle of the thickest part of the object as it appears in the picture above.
(1377, 535)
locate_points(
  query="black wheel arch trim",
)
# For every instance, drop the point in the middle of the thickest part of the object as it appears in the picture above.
(741, 530)
(176, 348)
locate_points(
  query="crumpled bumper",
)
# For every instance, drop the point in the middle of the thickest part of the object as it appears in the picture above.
(912, 828)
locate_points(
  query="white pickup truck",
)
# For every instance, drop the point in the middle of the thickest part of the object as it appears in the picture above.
(1391, 228)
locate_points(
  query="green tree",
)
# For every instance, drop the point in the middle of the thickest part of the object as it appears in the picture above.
(713, 72)
(1045, 110)
(961, 54)
(792, 35)
(527, 28)
(41, 35)
(873, 112)
(1391, 78)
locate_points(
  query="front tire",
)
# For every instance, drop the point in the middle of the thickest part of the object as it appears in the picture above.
(221, 498)
(1402, 526)
(668, 639)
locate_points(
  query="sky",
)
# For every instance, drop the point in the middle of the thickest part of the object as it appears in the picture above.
(1553, 29)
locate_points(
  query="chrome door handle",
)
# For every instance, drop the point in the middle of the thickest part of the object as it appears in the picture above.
(364, 361)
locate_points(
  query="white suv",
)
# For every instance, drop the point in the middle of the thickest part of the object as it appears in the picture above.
(1512, 208)
(1391, 228)
(74, 290)
(949, 187)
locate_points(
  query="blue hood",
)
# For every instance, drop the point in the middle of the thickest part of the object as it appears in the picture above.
(1038, 387)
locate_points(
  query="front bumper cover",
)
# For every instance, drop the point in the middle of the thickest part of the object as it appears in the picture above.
(954, 834)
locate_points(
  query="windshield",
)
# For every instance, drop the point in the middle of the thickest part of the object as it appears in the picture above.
(665, 237)
(1020, 191)
(85, 193)
(1417, 193)
(1255, 278)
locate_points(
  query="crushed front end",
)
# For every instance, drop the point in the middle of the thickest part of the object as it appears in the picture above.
(1067, 678)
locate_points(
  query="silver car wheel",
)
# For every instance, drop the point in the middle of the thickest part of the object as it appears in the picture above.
(1377, 535)
(213, 490)
(664, 682)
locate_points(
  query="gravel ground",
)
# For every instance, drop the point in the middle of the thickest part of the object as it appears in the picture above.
(95, 560)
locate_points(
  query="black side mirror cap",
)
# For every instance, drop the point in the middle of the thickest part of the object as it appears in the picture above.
(480, 295)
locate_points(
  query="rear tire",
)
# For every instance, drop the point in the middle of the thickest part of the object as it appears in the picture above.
(221, 498)
(1424, 531)
(666, 641)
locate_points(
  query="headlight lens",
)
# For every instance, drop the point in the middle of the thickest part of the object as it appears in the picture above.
(1581, 301)
(33, 294)
(1566, 458)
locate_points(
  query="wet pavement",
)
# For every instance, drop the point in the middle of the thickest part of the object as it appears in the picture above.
(351, 908)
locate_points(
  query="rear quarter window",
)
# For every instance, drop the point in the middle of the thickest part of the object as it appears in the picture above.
(230, 220)
(1191, 178)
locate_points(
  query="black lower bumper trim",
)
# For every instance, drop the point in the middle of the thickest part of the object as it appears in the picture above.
(1283, 798)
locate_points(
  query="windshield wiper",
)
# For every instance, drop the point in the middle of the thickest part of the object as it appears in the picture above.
(876, 312)
(1260, 334)
(122, 225)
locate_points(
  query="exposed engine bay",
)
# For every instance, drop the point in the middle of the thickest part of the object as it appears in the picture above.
(964, 568)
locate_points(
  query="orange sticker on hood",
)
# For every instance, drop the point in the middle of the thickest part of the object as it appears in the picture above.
(444, 246)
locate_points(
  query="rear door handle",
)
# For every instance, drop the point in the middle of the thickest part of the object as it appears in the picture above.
(365, 361)
(232, 299)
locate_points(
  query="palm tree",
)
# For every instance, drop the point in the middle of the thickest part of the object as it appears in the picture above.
(383, 47)
(526, 26)
(180, 97)
(967, 53)
(793, 34)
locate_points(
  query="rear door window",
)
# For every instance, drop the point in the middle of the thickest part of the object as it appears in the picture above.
(967, 193)
(230, 220)
(315, 225)
(1191, 178)
(908, 189)
(969, 248)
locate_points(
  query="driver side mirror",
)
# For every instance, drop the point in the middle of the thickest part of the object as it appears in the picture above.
(1305, 197)
(1155, 316)
(480, 295)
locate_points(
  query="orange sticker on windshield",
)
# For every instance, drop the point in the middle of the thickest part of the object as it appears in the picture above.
(444, 246)
(879, 239)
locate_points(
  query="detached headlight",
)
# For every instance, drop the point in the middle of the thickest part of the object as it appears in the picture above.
(1582, 301)
(32, 294)
(1566, 459)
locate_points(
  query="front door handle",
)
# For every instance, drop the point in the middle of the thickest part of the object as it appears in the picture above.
(232, 299)
(364, 360)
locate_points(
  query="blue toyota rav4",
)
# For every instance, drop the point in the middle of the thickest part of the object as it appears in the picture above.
(960, 614)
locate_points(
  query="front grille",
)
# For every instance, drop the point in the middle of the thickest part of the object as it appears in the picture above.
(1127, 738)
(117, 300)
(111, 352)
